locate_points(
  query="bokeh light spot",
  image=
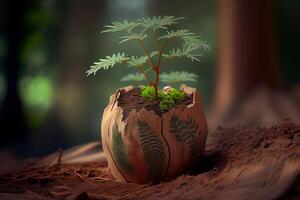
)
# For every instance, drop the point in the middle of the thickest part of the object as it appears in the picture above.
(37, 92)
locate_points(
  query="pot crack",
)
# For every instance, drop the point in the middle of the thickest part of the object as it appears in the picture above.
(169, 152)
(113, 158)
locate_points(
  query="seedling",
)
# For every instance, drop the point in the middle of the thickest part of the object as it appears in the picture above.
(147, 137)
(163, 39)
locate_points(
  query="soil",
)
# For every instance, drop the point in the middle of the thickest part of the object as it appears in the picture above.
(239, 163)
(132, 100)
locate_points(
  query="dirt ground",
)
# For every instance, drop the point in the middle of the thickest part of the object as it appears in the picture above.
(239, 163)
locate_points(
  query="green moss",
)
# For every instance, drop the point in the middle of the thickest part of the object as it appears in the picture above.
(176, 95)
(166, 101)
(161, 95)
(148, 92)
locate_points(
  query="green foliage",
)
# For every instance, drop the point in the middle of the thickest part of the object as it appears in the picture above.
(148, 92)
(187, 51)
(120, 26)
(153, 150)
(119, 152)
(192, 43)
(176, 76)
(196, 41)
(171, 99)
(159, 22)
(176, 95)
(107, 62)
(185, 131)
(133, 36)
(178, 33)
(136, 61)
(137, 31)
(137, 77)
(37, 92)
(166, 103)
(153, 23)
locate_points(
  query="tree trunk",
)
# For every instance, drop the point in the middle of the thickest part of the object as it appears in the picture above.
(11, 116)
(247, 53)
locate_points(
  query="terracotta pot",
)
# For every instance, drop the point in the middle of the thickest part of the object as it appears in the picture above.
(146, 147)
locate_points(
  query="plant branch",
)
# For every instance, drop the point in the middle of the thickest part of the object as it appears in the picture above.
(157, 69)
(154, 35)
(147, 70)
(141, 69)
(144, 72)
(166, 59)
(148, 54)
(161, 52)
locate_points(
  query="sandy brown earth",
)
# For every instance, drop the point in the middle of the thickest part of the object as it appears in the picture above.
(239, 163)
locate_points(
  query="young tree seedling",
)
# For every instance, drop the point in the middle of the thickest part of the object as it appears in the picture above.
(158, 28)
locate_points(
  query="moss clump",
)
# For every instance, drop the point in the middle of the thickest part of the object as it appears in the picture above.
(176, 95)
(166, 101)
(148, 92)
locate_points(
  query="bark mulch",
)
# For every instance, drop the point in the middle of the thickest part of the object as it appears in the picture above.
(239, 163)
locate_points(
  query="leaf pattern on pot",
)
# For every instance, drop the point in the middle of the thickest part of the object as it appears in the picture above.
(185, 131)
(153, 150)
(118, 149)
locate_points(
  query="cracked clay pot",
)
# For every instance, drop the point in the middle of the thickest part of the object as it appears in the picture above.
(145, 147)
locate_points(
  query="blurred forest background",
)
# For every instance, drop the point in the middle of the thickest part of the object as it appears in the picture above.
(46, 46)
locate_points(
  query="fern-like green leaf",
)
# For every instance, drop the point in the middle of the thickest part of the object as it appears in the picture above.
(140, 61)
(133, 36)
(136, 77)
(107, 62)
(185, 131)
(137, 61)
(159, 22)
(136, 30)
(119, 152)
(153, 150)
(186, 51)
(196, 41)
(120, 26)
(178, 33)
(189, 38)
(177, 76)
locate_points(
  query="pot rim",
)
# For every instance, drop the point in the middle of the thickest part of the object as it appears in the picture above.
(184, 88)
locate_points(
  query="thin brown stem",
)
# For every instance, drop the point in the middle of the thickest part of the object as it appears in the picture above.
(157, 69)
(154, 35)
(147, 70)
(141, 69)
(156, 81)
(154, 67)
(148, 54)
(161, 52)
(144, 72)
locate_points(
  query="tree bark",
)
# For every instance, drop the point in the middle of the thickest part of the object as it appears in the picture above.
(247, 52)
